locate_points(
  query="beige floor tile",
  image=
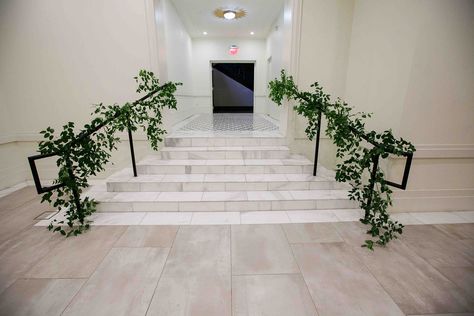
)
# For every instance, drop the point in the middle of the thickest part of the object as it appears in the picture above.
(339, 283)
(410, 280)
(261, 249)
(311, 232)
(39, 296)
(196, 279)
(20, 218)
(414, 284)
(18, 198)
(123, 284)
(78, 257)
(19, 254)
(457, 231)
(148, 236)
(445, 253)
(463, 278)
(271, 295)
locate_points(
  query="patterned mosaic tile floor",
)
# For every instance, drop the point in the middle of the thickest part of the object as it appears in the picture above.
(228, 124)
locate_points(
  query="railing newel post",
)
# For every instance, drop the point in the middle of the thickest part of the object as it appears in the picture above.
(373, 174)
(132, 151)
(316, 149)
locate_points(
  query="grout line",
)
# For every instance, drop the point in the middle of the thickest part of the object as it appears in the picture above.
(162, 270)
(299, 268)
(101, 261)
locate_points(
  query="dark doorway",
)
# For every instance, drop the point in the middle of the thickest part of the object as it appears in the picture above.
(232, 87)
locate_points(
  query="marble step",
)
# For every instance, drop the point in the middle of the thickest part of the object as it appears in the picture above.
(223, 152)
(153, 165)
(223, 141)
(222, 201)
(125, 182)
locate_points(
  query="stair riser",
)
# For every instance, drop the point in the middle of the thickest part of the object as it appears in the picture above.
(215, 169)
(219, 142)
(260, 154)
(220, 186)
(229, 206)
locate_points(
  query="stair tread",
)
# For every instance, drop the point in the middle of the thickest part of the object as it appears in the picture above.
(226, 148)
(225, 162)
(209, 178)
(214, 196)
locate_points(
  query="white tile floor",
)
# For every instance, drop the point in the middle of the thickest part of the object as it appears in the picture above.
(227, 124)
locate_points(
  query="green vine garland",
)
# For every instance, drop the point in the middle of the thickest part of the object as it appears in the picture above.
(82, 156)
(347, 131)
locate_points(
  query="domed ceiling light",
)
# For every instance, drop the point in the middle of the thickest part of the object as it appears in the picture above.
(228, 14)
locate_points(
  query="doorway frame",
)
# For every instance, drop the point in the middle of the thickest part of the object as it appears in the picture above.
(231, 61)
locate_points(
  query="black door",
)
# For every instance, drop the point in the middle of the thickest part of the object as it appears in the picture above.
(232, 87)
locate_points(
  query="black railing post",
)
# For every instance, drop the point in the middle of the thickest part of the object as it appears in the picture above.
(373, 174)
(316, 149)
(132, 151)
(75, 192)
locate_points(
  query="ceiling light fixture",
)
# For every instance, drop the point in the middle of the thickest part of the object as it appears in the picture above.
(229, 15)
(204, 33)
(252, 33)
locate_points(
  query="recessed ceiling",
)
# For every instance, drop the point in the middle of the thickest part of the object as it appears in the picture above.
(198, 17)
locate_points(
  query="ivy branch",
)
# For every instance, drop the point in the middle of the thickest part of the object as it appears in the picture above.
(85, 153)
(347, 130)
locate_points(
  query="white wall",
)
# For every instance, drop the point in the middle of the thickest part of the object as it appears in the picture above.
(324, 48)
(275, 45)
(213, 49)
(411, 63)
(175, 59)
(58, 58)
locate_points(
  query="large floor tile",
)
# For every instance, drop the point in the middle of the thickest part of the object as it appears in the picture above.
(20, 253)
(196, 279)
(261, 249)
(148, 236)
(311, 232)
(39, 296)
(77, 257)
(339, 283)
(273, 295)
(445, 253)
(411, 281)
(17, 198)
(457, 231)
(463, 277)
(122, 285)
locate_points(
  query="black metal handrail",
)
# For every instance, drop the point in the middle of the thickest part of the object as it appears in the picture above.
(83, 135)
(375, 160)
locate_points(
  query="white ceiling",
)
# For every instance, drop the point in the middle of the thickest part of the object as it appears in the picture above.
(198, 16)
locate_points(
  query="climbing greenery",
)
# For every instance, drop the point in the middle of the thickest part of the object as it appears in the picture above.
(357, 151)
(84, 153)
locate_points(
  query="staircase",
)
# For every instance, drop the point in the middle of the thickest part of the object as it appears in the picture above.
(209, 174)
